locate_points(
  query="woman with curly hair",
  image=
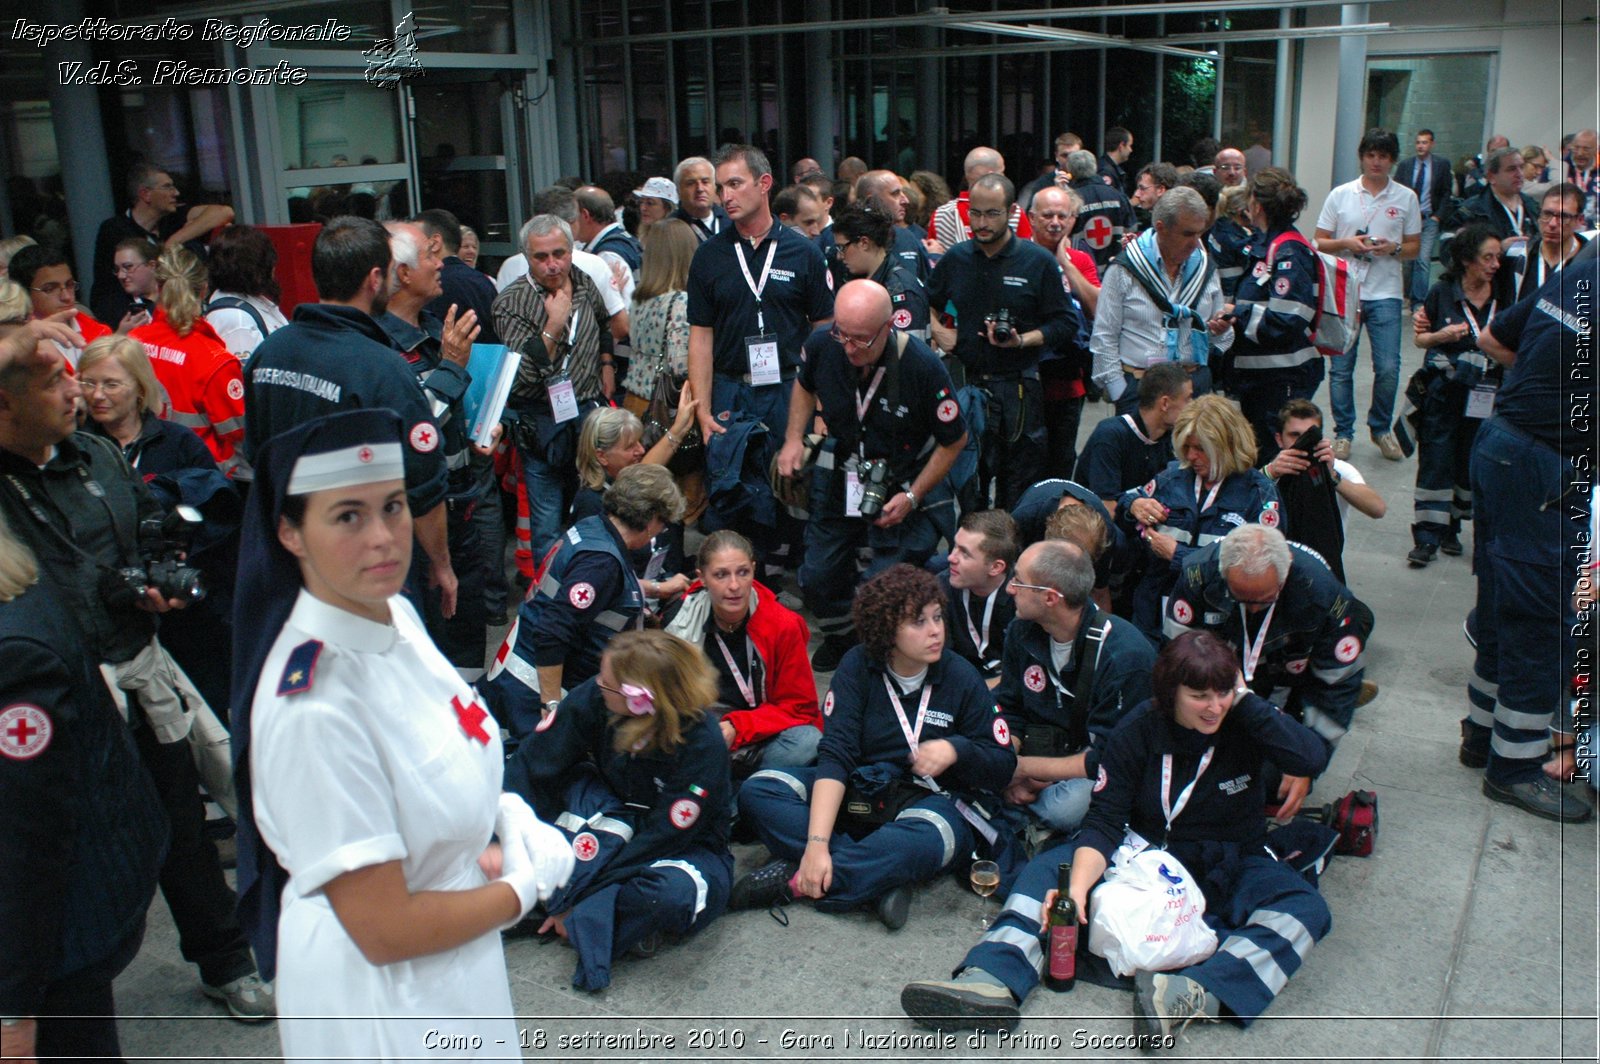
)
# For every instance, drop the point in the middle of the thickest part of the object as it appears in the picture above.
(1213, 487)
(243, 307)
(634, 770)
(912, 745)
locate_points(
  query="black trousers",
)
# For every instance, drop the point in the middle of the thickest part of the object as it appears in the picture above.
(202, 904)
(78, 1020)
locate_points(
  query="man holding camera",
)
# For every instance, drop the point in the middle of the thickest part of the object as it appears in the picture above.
(1010, 307)
(93, 526)
(894, 431)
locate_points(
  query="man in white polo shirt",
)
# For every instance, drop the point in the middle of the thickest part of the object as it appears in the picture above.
(1376, 224)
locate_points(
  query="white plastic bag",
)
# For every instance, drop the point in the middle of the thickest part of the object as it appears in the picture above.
(1148, 914)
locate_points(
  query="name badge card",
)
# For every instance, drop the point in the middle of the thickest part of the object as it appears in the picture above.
(764, 366)
(853, 490)
(563, 402)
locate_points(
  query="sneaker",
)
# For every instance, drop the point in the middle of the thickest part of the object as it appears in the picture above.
(247, 997)
(1162, 1001)
(1368, 692)
(894, 907)
(763, 887)
(1451, 545)
(831, 652)
(949, 1005)
(1541, 796)
(1341, 449)
(1420, 555)
(1474, 751)
(1388, 445)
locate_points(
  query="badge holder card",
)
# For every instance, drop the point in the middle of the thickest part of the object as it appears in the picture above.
(765, 367)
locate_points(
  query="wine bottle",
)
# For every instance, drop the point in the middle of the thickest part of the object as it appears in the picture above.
(1062, 970)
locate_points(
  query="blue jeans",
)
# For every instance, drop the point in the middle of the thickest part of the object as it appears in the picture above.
(1382, 320)
(794, 747)
(1064, 804)
(545, 498)
(1419, 268)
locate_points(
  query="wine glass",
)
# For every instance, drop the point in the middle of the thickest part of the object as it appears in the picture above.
(985, 878)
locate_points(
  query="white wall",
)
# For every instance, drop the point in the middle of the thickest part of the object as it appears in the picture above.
(1545, 85)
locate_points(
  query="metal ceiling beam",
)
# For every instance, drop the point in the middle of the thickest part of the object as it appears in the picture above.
(947, 19)
(1078, 37)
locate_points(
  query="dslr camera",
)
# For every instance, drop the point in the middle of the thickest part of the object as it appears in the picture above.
(875, 486)
(163, 543)
(1003, 329)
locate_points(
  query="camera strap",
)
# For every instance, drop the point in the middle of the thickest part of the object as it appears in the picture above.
(92, 486)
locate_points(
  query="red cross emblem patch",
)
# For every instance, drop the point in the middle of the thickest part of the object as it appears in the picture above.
(1033, 678)
(424, 437)
(236, 390)
(586, 847)
(1347, 649)
(1296, 667)
(1182, 612)
(1269, 517)
(1002, 734)
(25, 731)
(364, 455)
(1280, 287)
(684, 812)
(1100, 780)
(1097, 232)
(948, 410)
(581, 595)
(901, 319)
(471, 717)
(827, 705)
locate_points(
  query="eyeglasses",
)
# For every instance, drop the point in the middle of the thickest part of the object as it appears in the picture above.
(840, 245)
(56, 286)
(168, 187)
(856, 341)
(987, 214)
(1014, 582)
(1559, 216)
(128, 267)
(109, 387)
(1230, 167)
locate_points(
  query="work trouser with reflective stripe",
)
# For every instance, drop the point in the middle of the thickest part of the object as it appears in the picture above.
(918, 844)
(676, 895)
(1443, 497)
(1267, 918)
(1012, 950)
(1524, 620)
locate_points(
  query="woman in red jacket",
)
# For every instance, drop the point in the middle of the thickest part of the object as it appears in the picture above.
(204, 382)
(758, 647)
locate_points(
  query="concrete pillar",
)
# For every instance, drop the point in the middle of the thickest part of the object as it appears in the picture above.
(930, 96)
(81, 146)
(1282, 94)
(822, 114)
(1350, 112)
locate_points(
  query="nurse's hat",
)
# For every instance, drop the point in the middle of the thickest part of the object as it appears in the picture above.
(349, 449)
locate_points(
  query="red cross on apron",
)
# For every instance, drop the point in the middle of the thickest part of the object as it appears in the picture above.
(471, 718)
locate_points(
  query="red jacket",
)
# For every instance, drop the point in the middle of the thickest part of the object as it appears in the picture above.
(204, 383)
(780, 636)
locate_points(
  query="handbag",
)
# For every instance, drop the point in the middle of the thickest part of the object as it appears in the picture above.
(658, 417)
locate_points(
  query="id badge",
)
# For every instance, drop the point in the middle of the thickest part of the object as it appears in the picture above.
(657, 563)
(563, 402)
(1480, 401)
(763, 354)
(852, 493)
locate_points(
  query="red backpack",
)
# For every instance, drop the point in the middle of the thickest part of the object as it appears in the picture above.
(1338, 317)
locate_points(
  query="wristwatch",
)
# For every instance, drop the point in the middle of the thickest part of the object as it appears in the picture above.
(913, 497)
(551, 706)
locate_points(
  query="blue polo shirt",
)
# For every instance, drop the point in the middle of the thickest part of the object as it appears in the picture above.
(797, 293)
(1549, 390)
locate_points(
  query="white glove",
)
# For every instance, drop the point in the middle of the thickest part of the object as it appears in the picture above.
(536, 858)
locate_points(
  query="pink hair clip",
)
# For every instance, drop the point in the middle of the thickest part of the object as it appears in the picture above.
(640, 701)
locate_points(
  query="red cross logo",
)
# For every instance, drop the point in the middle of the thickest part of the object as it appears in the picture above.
(684, 812)
(423, 437)
(471, 718)
(365, 454)
(25, 732)
(580, 595)
(586, 847)
(1002, 734)
(1098, 231)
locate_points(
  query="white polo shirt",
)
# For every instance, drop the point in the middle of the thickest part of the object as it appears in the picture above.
(1392, 214)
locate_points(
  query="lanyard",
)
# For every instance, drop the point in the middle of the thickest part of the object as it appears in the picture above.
(1167, 808)
(757, 287)
(1516, 219)
(913, 735)
(1252, 651)
(1472, 322)
(988, 612)
(1199, 486)
(746, 687)
(1134, 425)
(92, 486)
(864, 403)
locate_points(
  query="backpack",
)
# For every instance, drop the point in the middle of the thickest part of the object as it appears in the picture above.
(235, 303)
(1338, 316)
